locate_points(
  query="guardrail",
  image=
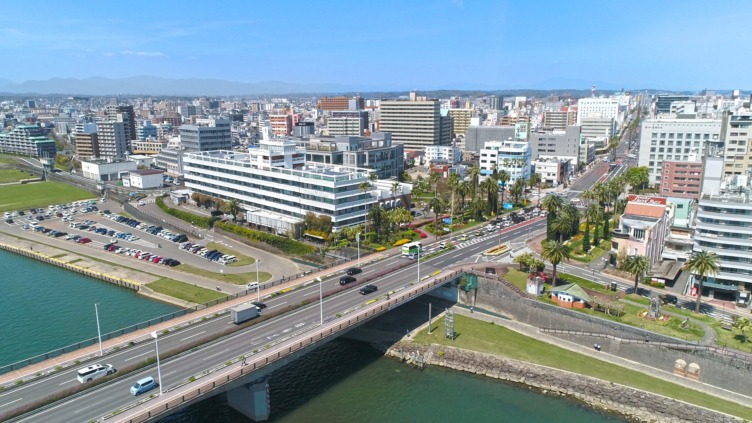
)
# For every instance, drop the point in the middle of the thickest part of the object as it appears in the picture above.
(232, 373)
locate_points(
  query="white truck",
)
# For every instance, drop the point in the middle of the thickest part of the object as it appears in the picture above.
(244, 312)
(742, 300)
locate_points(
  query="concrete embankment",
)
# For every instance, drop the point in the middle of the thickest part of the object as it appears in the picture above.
(634, 404)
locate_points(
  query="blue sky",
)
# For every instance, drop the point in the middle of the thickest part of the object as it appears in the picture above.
(387, 44)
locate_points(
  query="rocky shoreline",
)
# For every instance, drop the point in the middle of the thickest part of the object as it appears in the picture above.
(633, 404)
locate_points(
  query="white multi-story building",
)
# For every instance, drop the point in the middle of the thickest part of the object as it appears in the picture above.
(513, 156)
(448, 153)
(597, 108)
(675, 139)
(276, 188)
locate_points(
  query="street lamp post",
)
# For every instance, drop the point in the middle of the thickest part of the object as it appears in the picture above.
(258, 283)
(99, 332)
(321, 299)
(159, 369)
(420, 253)
(357, 238)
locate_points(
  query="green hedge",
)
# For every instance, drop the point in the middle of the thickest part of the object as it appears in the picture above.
(195, 219)
(286, 245)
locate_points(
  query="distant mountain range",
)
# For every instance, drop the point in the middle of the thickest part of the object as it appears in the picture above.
(159, 86)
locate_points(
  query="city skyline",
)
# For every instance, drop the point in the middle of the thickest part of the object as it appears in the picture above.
(385, 46)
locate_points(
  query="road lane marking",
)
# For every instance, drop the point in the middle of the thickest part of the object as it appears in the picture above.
(196, 334)
(9, 403)
(277, 305)
(214, 355)
(136, 356)
(67, 381)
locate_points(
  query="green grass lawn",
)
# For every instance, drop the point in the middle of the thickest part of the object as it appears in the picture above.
(184, 291)
(16, 197)
(7, 160)
(517, 277)
(485, 337)
(243, 260)
(233, 278)
(13, 175)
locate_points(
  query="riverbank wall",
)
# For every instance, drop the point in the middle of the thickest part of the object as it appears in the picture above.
(72, 267)
(633, 404)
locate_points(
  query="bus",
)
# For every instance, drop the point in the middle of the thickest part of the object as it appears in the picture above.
(411, 248)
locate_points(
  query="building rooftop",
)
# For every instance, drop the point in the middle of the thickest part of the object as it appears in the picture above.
(146, 172)
(642, 205)
(638, 222)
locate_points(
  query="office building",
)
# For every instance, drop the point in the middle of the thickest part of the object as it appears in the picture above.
(553, 170)
(605, 108)
(113, 141)
(682, 179)
(476, 137)
(146, 130)
(642, 229)
(206, 135)
(675, 139)
(595, 127)
(724, 226)
(495, 102)
(562, 144)
(276, 188)
(151, 146)
(304, 129)
(415, 123)
(513, 156)
(28, 140)
(663, 102)
(376, 153)
(341, 103)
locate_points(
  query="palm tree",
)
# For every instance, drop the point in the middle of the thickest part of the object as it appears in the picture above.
(638, 266)
(518, 188)
(573, 216)
(534, 181)
(503, 177)
(477, 207)
(453, 181)
(433, 179)
(463, 189)
(491, 189)
(561, 225)
(233, 207)
(474, 174)
(437, 204)
(555, 252)
(396, 187)
(378, 217)
(703, 264)
(592, 215)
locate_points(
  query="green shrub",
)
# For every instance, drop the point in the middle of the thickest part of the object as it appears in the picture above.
(195, 219)
(400, 242)
(286, 245)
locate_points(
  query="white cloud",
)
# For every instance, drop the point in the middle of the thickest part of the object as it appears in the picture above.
(109, 54)
(142, 53)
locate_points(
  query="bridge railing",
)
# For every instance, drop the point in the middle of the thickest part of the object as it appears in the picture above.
(159, 406)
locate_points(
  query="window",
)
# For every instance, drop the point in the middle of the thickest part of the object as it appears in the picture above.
(654, 135)
(663, 135)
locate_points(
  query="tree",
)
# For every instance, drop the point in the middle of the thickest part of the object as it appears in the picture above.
(552, 204)
(524, 259)
(503, 177)
(396, 188)
(586, 238)
(453, 181)
(638, 266)
(561, 226)
(535, 181)
(477, 207)
(592, 215)
(703, 264)
(743, 325)
(491, 189)
(518, 188)
(378, 218)
(233, 208)
(399, 216)
(474, 174)
(555, 252)
(437, 204)
(405, 177)
(463, 190)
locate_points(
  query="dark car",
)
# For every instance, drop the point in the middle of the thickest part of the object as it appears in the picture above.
(353, 271)
(259, 305)
(668, 299)
(368, 289)
(344, 280)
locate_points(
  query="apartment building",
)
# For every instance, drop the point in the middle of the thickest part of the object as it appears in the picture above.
(605, 108)
(675, 139)
(281, 124)
(515, 157)
(737, 134)
(724, 226)
(27, 140)
(87, 145)
(113, 140)
(446, 153)
(679, 244)
(347, 122)
(681, 179)
(276, 188)
(560, 119)
(460, 120)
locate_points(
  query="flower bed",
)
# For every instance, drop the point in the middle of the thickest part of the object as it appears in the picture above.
(495, 251)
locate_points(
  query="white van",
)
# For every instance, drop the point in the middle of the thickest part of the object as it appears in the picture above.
(95, 371)
(252, 286)
(442, 245)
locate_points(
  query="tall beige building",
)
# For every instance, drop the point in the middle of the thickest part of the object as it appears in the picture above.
(416, 123)
(460, 120)
(737, 134)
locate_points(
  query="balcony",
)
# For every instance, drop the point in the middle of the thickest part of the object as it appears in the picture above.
(617, 233)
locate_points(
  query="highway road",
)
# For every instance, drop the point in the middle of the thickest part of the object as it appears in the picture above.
(98, 402)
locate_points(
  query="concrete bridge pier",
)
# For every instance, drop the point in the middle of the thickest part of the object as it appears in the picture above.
(251, 401)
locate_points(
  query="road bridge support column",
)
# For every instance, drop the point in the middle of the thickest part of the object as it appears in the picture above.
(251, 400)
